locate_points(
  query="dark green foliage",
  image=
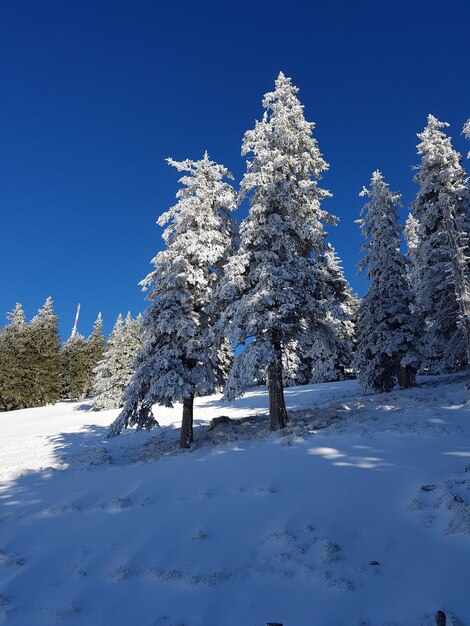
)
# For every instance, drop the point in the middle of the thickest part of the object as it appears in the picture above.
(45, 339)
(15, 386)
(75, 368)
(30, 359)
(35, 370)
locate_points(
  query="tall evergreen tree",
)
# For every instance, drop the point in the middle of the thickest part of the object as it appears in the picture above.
(268, 287)
(46, 354)
(179, 358)
(441, 259)
(388, 333)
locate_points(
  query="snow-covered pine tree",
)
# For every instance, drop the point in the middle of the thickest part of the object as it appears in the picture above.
(96, 345)
(131, 345)
(441, 258)
(387, 332)
(113, 374)
(331, 357)
(46, 354)
(179, 358)
(466, 132)
(104, 394)
(268, 286)
(75, 363)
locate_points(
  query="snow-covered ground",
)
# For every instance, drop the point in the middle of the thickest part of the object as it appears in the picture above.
(358, 514)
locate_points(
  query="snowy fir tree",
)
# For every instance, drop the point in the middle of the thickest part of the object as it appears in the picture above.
(466, 132)
(331, 356)
(103, 393)
(75, 365)
(441, 259)
(180, 358)
(268, 286)
(113, 374)
(46, 347)
(388, 333)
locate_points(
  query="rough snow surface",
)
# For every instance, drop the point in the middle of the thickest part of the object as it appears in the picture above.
(358, 514)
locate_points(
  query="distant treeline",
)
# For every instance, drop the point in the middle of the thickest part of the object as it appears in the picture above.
(36, 368)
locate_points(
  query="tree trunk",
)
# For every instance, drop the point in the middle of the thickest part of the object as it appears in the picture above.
(406, 377)
(186, 435)
(277, 406)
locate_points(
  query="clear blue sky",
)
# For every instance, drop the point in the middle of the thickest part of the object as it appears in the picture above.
(94, 95)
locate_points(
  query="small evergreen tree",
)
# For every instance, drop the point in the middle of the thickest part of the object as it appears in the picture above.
(388, 333)
(179, 358)
(268, 287)
(441, 257)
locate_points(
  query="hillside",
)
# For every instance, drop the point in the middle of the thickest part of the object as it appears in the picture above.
(358, 514)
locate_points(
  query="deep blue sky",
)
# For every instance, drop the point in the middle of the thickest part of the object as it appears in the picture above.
(94, 95)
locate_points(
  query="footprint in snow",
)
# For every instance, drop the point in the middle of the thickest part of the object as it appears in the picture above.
(9, 560)
(204, 495)
(122, 572)
(120, 504)
(199, 534)
(78, 572)
(164, 575)
(265, 491)
(56, 616)
(61, 508)
(330, 553)
(4, 600)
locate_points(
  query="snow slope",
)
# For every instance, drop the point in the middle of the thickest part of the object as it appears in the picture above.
(326, 524)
